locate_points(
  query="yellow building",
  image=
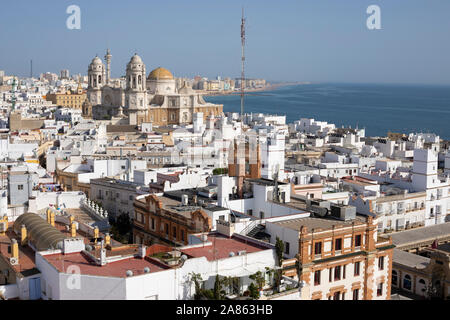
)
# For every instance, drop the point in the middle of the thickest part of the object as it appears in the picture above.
(69, 99)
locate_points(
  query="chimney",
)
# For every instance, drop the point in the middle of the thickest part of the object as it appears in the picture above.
(48, 215)
(52, 219)
(23, 235)
(96, 232)
(107, 239)
(103, 256)
(73, 230)
(142, 251)
(15, 250)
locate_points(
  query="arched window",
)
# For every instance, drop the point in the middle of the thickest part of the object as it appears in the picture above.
(139, 79)
(407, 282)
(99, 79)
(394, 278)
(134, 82)
(421, 281)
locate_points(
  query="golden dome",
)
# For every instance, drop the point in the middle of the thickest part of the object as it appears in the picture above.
(160, 74)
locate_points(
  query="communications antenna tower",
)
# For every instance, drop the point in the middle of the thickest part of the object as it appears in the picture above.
(13, 97)
(242, 61)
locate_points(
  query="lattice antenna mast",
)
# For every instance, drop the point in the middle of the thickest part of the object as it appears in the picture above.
(243, 63)
(13, 97)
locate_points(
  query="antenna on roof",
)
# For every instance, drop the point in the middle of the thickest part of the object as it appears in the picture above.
(242, 63)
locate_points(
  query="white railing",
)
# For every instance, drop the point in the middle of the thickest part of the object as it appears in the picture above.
(250, 226)
(92, 208)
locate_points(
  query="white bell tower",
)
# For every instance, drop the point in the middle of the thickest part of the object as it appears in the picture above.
(136, 92)
(96, 80)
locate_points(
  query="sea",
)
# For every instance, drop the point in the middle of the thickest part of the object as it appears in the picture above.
(379, 108)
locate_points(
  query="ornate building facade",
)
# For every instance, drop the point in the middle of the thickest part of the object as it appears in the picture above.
(153, 98)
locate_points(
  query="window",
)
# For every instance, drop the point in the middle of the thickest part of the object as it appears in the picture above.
(407, 282)
(337, 273)
(174, 231)
(20, 187)
(317, 277)
(381, 263)
(167, 229)
(394, 278)
(153, 224)
(356, 294)
(336, 295)
(380, 289)
(286, 247)
(330, 279)
(338, 244)
(357, 266)
(343, 271)
(182, 235)
(318, 248)
(358, 240)
(261, 214)
(250, 212)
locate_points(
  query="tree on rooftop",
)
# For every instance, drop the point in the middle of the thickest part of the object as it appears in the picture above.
(258, 277)
(279, 248)
(217, 288)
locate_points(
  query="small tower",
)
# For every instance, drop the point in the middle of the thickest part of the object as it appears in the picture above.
(108, 57)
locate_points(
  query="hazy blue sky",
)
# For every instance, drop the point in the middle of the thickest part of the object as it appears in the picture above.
(304, 40)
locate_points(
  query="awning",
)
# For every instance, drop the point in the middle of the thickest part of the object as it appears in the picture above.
(243, 271)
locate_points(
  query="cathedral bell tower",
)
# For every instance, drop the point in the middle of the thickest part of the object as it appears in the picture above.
(96, 80)
(136, 92)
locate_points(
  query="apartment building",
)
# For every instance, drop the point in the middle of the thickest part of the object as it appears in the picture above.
(337, 259)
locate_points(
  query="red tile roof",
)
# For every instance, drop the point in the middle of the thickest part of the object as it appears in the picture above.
(112, 269)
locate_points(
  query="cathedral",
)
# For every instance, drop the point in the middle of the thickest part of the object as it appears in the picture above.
(140, 98)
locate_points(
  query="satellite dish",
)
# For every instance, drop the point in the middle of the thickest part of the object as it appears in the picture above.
(129, 273)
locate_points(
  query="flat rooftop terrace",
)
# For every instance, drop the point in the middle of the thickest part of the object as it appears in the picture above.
(410, 259)
(421, 236)
(221, 247)
(310, 223)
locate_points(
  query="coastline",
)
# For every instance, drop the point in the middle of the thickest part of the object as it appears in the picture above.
(249, 91)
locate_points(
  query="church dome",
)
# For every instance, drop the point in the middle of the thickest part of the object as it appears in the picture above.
(96, 61)
(160, 74)
(136, 59)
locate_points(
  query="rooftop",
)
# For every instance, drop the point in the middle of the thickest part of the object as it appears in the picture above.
(419, 235)
(26, 254)
(410, 259)
(310, 223)
(221, 246)
(265, 182)
(116, 269)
